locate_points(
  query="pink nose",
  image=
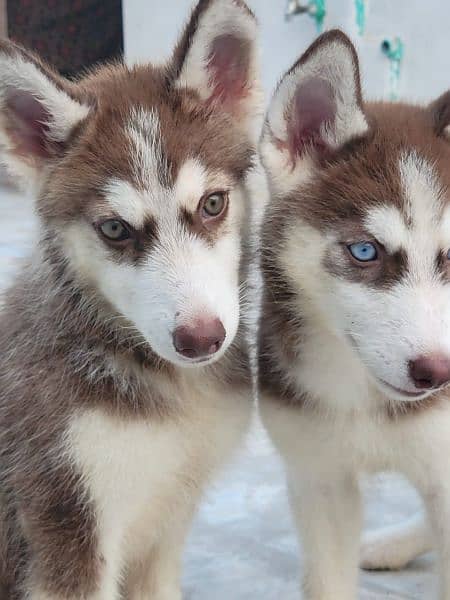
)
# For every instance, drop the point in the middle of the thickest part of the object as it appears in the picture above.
(201, 340)
(430, 371)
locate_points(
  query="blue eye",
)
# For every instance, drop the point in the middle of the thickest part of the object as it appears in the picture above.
(448, 254)
(363, 251)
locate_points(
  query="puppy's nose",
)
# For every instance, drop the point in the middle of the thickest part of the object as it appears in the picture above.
(430, 371)
(200, 340)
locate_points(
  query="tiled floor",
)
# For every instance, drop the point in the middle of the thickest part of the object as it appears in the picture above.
(242, 545)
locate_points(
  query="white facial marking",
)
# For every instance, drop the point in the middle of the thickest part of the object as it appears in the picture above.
(422, 195)
(423, 213)
(149, 164)
(422, 190)
(387, 225)
(150, 171)
(194, 180)
(190, 184)
(127, 202)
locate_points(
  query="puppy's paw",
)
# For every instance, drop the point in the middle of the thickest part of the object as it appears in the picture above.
(392, 548)
(380, 552)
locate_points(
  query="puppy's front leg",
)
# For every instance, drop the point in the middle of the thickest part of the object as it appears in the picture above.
(426, 463)
(108, 589)
(394, 546)
(327, 512)
(158, 578)
(437, 500)
(84, 565)
(158, 575)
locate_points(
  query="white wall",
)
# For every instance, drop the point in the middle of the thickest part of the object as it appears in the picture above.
(152, 26)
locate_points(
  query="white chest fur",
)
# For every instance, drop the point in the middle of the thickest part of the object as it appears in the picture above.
(141, 474)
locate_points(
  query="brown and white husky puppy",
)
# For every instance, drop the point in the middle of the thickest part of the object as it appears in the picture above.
(112, 413)
(354, 347)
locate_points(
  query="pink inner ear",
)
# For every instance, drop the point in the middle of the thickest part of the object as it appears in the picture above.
(27, 123)
(312, 107)
(229, 63)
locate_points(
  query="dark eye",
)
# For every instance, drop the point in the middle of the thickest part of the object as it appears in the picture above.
(448, 254)
(214, 205)
(114, 230)
(363, 251)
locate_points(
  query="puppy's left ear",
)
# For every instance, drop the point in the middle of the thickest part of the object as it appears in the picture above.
(217, 56)
(440, 113)
(315, 111)
(39, 111)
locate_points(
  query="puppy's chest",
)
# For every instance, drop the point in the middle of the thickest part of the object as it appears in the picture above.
(340, 413)
(130, 466)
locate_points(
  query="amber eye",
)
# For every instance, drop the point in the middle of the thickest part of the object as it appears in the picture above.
(114, 230)
(214, 204)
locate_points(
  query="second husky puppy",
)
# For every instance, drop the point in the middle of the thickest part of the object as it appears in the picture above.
(354, 346)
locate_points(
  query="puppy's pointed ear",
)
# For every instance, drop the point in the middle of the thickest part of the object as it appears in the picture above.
(217, 56)
(38, 113)
(317, 107)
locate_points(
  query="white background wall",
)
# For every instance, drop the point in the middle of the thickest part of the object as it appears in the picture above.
(152, 26)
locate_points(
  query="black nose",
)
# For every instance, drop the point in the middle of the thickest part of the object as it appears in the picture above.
(203, 339)
(430, 371)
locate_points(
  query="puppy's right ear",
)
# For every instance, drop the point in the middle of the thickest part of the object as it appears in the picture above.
(38, 112)
(316, 109)
(217, 57)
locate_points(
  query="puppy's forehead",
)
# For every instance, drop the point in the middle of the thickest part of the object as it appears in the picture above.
(154, 188)
(145, 154)
(396, 194)
(155, 143)
(420, 216)
(137, 204)
(144, 127)
(422, 190)
(419, 227)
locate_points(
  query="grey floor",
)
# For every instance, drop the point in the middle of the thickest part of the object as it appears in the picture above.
(242, 545)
